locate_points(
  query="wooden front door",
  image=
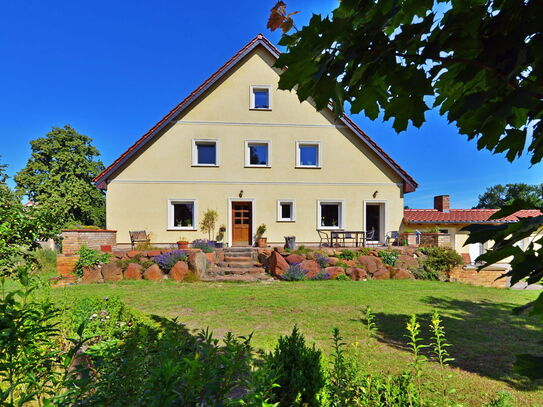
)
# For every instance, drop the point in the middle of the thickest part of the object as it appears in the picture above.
(242, 215)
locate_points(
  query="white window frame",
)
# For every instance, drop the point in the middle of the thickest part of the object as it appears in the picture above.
(248, 156)
(195, 152)
(252, 96)
(171, 203)
(292, 203)
(341, 204)
(298, 155)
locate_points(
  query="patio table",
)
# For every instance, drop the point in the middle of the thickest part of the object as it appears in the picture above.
(359, 236)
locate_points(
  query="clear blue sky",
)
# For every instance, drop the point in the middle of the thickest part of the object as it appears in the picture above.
(112, 69)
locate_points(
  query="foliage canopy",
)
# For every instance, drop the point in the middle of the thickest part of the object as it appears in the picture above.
(499, 195)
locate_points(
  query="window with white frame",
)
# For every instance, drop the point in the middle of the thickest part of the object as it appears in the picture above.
(257, 154)
(330, 214)
(308, 154)
(261, 97)
(182, 214)
(286, 210)
(205, 153)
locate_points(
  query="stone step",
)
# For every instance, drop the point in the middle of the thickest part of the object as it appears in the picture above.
(248, 278)
(241, 270)
(238, 264)
(238, 259)
(237, 254)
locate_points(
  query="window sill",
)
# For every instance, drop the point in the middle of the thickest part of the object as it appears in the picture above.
(257, 166)
(315, 167)
(286, 220)
(260, 109)
(205, 165)
(329, 228)
(182, 228)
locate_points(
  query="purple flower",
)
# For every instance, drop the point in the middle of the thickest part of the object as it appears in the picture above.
(167, 260)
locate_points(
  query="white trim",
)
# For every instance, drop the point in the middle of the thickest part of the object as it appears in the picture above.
(170, 214)
(142, 181)
(341, 222)
(253, 124)
(195, 141)
(384, 221)
(292, 218)
(248, 157)
(309, 143)
(252, 88)
(253, 211)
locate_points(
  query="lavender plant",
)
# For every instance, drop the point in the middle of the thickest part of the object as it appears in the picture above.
(322, 260)
(321, 275)
(294, 273)
(203, 245)
(167, 260)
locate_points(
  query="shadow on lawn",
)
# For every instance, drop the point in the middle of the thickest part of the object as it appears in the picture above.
(485, 336)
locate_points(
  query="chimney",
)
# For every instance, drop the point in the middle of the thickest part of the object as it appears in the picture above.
(442, 203)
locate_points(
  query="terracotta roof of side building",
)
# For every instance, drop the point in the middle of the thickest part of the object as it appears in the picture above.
(464, 216)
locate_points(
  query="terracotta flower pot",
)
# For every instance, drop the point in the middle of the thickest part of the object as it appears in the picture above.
(183, 245)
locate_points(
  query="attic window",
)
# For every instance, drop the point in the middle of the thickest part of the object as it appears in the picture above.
(205, 153)
(260, 97)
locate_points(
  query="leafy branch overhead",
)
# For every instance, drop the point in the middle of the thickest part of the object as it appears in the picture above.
(478, 62)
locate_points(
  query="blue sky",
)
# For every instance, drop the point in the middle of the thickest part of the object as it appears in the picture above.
(112, 69)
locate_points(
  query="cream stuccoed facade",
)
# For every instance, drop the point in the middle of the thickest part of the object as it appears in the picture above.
(355, 178)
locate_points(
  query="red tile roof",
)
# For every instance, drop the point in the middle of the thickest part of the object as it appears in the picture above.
(102, 179)
(463, 216)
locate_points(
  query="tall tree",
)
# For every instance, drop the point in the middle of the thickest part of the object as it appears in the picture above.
(499, 195)
(59, 175)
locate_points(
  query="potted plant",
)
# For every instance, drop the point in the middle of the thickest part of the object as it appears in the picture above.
(208, 223)
(183, 243)
(260, 240)
(220, 237)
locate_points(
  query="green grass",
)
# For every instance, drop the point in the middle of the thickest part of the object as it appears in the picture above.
(478, 321)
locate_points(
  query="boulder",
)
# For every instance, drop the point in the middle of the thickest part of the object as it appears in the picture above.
(112, 272)
(198, 263)
(334, 271)
(370, 263)
(211, 258)
(405, 261)
(402, 274)
(133, 272)
(153, 273)
(294, 259)
(312, 268)
(381, 274)
(332, 261)
(179, 271)
(357, 274)
(277, 264)
(133, 253)
(92, 275)
(119, 254)
(350, 263)
(263, 258)
(153, 253)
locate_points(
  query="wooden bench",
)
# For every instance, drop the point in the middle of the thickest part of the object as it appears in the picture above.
(138, 236)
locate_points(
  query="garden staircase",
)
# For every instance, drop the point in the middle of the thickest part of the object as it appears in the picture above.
(239, 264)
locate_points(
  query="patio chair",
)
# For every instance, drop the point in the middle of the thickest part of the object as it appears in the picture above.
(138, 236)
(394, 236)
(370, 238)
(349, 236)
(323, 236)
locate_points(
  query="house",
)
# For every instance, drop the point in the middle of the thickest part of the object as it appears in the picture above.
(256, 155)
(449, 222)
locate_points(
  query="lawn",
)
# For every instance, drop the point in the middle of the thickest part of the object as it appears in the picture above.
(478, 321)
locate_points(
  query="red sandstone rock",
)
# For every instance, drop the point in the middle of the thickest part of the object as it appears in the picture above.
(133, 272)
(381, 274)
(277, 263)
(312, 268)
(152, 253)
(211, 257)
(404, 261)
(350, 263)
(111, 272)
(334, 271)
(153, 273)
(370, 263)
(294, 259)
(198, 263)
(357, 274)
(179, 271)
(402, 274)
(92, 275)
(133, 253)
(332, 261)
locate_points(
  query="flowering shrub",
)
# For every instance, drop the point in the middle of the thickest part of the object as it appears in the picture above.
(322, 260)
(347, 254)
(294, 273)
(321, 275)
(388, 256)
(203, 245)
(167, 260)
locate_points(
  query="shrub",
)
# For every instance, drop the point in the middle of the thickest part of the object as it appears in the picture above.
(294, 273)
(388, 256)
(167, 260)
(364, 251)
(203, 245)
(321, 275)
(260, 231)
(347, 255)
(299, 370)
(46, 260)
(322, 260)
(208, 222)
(302, 250)
(89, 258)
(503, 399)
(440, 259)
(138, 259)
(343, 277)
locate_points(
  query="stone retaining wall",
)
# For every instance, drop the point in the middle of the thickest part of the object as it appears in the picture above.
(486, 277)
(73, 239)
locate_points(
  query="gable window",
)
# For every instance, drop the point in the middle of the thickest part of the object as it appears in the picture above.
(261, 97)
(330, 214)
(205, 153)
(182, 214)
(257, 154)
(308, 154)
(286, 210)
